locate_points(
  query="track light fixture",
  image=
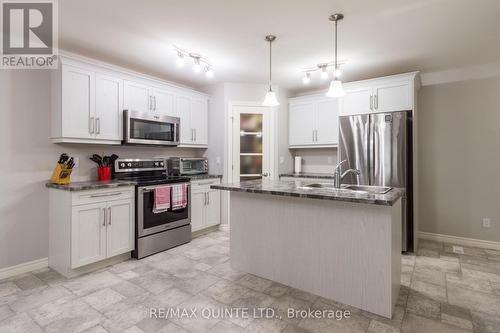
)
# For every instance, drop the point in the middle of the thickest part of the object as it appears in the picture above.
(199, 62)
(324, 69)
(307, 78)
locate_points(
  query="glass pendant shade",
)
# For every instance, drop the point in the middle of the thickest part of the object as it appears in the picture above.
(270, 99)
(336, 89)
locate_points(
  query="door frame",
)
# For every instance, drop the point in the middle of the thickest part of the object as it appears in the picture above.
(228, 143)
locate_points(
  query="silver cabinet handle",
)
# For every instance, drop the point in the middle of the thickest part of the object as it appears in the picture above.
(104, 217)
(91, 125)
(376, 101)
(109, 215)
(105, 195)
(371, 102)
(194, 134)
(313, 135)
(155, 102)
(316, 131)
(205, 198)
(98, 125)
(150, 103)
(208, 198)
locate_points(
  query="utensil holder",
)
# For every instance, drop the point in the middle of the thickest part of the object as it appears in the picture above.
(104, 173)
(61, 175)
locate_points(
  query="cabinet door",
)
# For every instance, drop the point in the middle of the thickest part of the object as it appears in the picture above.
(109, 107)
(88, 234)
(183, 105)
(136, 96)
(198, 210)
(393, 96)
(301, 124)
(120, 227)
(199, 119)
(213, 208)
(327, 122)
(78, 103)
(163, 102)
(357, 101)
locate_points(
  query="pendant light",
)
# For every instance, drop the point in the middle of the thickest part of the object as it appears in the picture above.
(270, 99)
(336, 90)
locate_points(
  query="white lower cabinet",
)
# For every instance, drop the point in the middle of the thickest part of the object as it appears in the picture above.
(88, 227)
(205, 204)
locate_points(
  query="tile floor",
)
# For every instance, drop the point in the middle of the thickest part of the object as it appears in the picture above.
(441, 292)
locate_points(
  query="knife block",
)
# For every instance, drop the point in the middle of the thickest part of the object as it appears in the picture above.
(61, 175)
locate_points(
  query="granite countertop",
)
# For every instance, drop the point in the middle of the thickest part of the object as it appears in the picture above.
(198, 177)
(90, 185)
(293, 189)
(308, 175)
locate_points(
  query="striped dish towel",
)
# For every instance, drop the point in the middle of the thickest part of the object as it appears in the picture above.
(162, 199)
(179, 196)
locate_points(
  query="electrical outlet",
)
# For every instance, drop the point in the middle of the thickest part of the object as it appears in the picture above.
(486, 222)
(458, 249)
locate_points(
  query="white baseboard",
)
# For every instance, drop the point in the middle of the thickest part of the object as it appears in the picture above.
(224, 227)
(472, 242)
(26, 267)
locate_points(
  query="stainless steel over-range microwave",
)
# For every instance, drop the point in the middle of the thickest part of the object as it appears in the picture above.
(147, 128)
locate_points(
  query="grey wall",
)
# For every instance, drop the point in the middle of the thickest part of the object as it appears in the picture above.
(27, 159)
(317, 160)
(459, 158)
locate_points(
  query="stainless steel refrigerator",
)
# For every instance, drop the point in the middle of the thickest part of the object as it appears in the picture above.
(379, 145)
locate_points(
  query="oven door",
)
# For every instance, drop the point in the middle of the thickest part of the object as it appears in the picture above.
(150, 129)
(149, 223)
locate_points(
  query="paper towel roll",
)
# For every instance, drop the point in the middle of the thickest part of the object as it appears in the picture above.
(298, 164)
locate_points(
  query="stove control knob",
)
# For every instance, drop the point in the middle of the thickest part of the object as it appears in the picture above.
(156, 164)
(162, 164)
(129, 164)
(122, 165)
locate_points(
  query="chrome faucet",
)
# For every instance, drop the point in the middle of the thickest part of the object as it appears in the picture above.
(338, 176)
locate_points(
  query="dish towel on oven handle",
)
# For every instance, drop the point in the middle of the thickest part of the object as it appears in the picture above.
(161, 199)
(179, 196)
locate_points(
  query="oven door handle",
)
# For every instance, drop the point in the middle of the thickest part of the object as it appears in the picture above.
(151, 189)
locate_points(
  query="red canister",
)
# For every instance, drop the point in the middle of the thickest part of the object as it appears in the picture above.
(104, 173)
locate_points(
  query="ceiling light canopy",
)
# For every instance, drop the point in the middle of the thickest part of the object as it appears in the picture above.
(270, 99)
(336, 90)
(199, 62)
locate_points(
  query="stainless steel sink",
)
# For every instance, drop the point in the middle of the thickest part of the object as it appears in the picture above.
(370, 189)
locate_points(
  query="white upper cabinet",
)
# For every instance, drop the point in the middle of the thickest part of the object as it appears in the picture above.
(136, 97)
(108, 107)
(88, 100)
(193, 113)
(387, 94)
(78, 100)
(327, 122)
(313, 122)
(164, 102)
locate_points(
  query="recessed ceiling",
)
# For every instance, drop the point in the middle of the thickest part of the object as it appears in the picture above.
(376, 37)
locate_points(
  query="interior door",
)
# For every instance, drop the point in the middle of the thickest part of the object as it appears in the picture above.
(354, 147)
(88, 234)
(199, 115)
(120, 227)
(109, 107)
(327, 122)
(78, 103)
(183, 107)
(301, 124)
(163, 102)
(251, 143)
(136, 96)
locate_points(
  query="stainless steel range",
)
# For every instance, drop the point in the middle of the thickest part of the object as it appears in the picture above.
(155, 231)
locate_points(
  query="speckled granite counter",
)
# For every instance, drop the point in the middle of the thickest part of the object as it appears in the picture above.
(308, 175)
(295, 189)
(200, 177)
(90, 185)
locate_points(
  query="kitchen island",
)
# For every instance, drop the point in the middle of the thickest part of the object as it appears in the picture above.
(339, 244)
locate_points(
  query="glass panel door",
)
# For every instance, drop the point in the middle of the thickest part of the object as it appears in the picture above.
(250, 143)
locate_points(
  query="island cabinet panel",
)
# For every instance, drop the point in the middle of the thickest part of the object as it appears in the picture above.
(344, 251)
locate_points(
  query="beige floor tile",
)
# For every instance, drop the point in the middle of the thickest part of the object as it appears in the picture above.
(429, 290)
(378, 327)
(423, 306)
(5, 312)
(475, 301)
(20, 323)
(418, 324)
(254, 282)
(456, 316)
(485, 323)
(461, 281)
(103, 298)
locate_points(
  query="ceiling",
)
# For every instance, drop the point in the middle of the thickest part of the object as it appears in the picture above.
(376, 37)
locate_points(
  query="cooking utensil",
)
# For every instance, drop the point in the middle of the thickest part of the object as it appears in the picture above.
(97, 159)
(112, 160)
(71, 163)
(63, 158)
(105, 161)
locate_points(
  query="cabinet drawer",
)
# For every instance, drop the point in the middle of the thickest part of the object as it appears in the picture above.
(96, 196)
(203, 184)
